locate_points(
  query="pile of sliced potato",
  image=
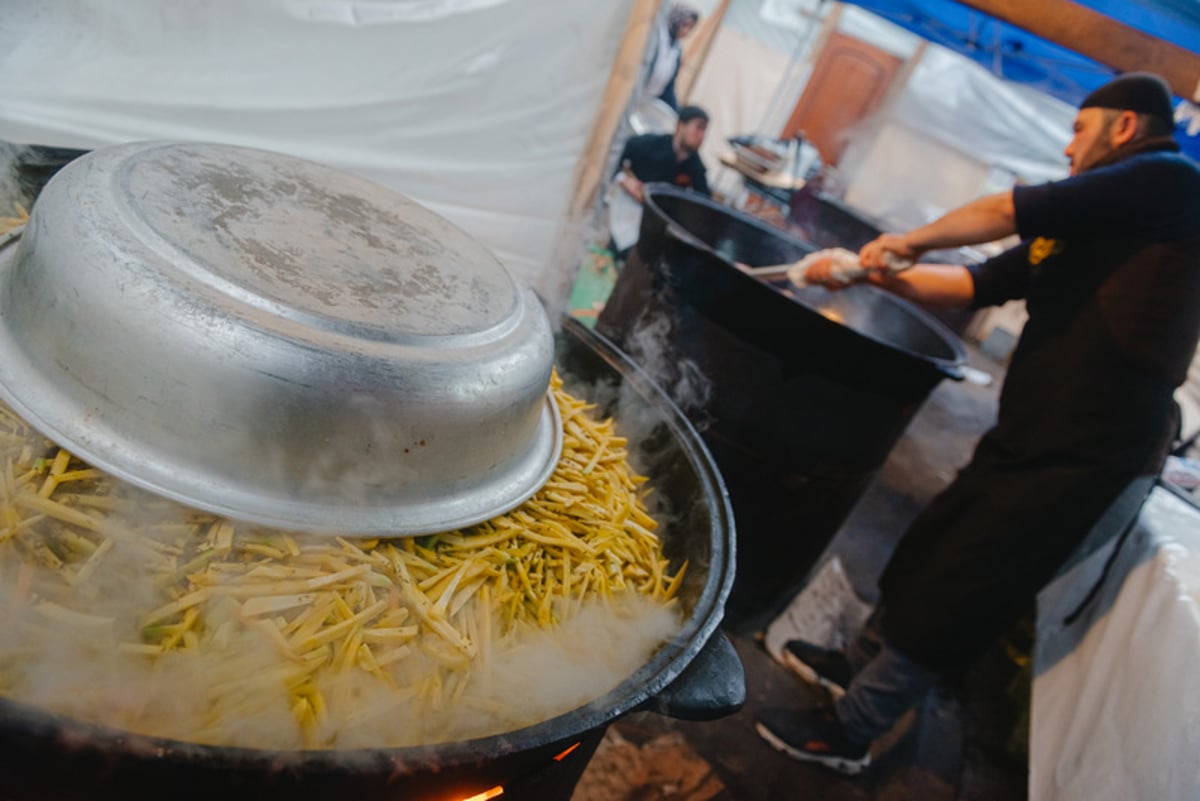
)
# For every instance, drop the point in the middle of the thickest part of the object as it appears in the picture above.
(381, 609)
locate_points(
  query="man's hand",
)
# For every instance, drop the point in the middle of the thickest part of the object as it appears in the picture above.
(880, 254)
(630, 183)
(833, 268)
(819, 272)
(632, 186)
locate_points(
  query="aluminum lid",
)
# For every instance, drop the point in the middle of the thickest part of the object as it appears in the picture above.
(274, 340)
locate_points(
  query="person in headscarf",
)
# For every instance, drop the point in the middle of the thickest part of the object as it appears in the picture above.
(1109, 272)
(668, 53)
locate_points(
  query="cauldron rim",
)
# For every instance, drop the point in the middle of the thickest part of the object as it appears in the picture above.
(948, 367)
(951, 367)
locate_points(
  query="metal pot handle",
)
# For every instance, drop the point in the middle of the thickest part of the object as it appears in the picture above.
(953, 372)
(712, 686)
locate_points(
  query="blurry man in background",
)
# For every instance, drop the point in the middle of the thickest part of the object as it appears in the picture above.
(1110, 271)
(672, 158)
(668, 158)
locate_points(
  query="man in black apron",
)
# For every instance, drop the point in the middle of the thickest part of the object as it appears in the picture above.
(1109, 267)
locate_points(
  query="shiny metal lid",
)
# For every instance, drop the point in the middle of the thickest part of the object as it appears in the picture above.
(271, 339)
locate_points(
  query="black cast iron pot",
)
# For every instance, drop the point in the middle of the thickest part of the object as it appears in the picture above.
(799, 394)
(696, 676)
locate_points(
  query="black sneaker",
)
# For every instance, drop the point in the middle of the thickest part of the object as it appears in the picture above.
(821, 666)
(813, 736)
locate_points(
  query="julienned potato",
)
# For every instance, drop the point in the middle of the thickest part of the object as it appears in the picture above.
(235, 634)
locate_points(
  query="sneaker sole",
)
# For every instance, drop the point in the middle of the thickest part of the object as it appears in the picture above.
(842, 765)
(801, 669)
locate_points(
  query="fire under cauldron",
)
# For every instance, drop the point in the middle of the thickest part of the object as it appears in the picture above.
(807, 390)
(695, 676)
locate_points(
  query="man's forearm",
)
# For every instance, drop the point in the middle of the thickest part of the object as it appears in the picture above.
(985, 219)
(943, 285)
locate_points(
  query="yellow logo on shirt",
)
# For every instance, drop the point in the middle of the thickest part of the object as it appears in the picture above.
(1041, 249)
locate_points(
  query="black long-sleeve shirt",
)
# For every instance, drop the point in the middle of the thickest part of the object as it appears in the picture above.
(652, 159)
(1110, 271)
(1111, 278)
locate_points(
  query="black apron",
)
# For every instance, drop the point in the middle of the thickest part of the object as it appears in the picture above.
(970, 564)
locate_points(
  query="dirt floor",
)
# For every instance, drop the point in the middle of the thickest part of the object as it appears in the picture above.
(965, 742)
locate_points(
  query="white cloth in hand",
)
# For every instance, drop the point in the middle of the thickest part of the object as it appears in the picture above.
(844, 266)
(624, 216)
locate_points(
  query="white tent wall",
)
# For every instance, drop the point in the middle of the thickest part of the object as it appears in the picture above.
(912, 194)
(1188, 397)
(1008, 125)
(478, 109)
(951, 133)
(966, 128)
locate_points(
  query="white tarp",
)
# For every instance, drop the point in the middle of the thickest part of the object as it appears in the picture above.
(478, 109)
(1001, 123)
(1188, 397)
(1116, 703)
(758, 68)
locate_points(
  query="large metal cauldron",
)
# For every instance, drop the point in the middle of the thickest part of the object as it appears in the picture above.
(810, 389)
(697, 676)
(826, 222)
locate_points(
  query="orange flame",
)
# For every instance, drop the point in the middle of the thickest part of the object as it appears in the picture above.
(486, 794)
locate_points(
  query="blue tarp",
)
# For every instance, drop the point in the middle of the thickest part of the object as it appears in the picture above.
(1019, 56)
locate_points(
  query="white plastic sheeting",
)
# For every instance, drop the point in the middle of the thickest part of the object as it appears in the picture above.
(1001, 123)
(1188, 397)
(1116, 703)
(478, 109)
(757, 71)
(954, 133)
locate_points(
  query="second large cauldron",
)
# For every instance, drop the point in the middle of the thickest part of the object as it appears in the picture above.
(800, 395)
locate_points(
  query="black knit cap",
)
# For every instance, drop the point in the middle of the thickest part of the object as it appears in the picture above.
(689, 113)
(1143, 92)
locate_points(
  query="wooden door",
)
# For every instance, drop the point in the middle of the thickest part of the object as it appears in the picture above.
(848, 82)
